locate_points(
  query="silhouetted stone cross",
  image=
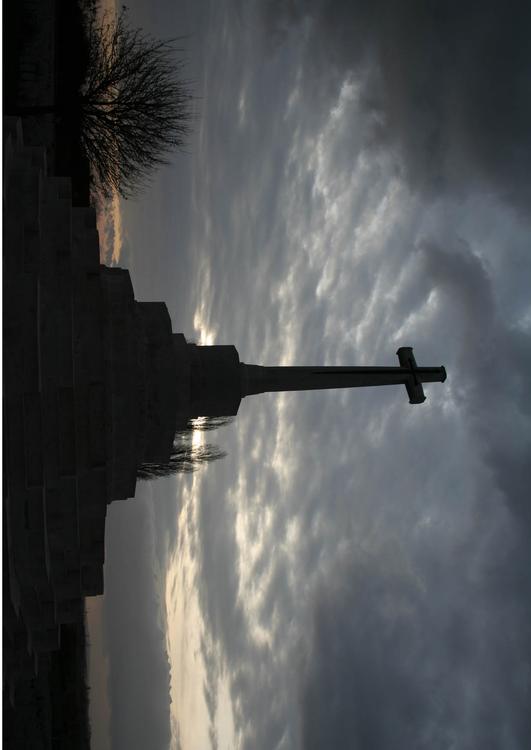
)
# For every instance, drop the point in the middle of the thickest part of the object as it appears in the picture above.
(257, 379)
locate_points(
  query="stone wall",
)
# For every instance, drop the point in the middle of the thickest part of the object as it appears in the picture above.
(55, 462)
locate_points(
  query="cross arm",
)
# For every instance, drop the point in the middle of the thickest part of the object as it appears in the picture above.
(418, 375)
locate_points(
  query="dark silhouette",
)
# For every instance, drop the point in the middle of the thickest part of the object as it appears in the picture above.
(132, 109)
(185, 457)
(256, 379)
(217, 381)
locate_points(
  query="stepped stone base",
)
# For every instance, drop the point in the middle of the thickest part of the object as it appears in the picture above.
(95, 384)
(54, 386)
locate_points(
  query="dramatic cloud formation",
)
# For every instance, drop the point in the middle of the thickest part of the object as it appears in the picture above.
(395, 662)
(495, 399)
(447, 84)
(360, 233)
(356, 572)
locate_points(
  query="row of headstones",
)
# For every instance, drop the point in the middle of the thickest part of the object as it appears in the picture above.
(55, 467)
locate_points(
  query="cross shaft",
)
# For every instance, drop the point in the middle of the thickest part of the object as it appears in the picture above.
(257, 379)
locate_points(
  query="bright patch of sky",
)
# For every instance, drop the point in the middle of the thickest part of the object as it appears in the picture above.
(184, 634)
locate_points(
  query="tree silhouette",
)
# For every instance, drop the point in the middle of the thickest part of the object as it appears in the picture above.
(183, 460)
(134, 106)
(186, 457)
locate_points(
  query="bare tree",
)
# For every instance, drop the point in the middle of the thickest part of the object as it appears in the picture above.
(134, 106)
(183, 460)
(185, 457)
(132, 109)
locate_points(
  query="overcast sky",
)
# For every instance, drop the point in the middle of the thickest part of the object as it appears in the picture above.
(356, 572)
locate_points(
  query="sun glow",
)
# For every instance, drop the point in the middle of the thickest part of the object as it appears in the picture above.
(191, 648)
(198, 435)
(189, 719)
(203, 330)
(205, 335)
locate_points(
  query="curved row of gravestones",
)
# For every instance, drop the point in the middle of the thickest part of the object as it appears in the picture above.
(51, 560)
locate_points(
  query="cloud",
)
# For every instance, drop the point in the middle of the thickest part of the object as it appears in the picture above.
(110, 229)
(394, 660)
(445, 85)
(336, 255)
(491, 384)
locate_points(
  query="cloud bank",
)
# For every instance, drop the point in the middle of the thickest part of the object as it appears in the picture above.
(380, 214)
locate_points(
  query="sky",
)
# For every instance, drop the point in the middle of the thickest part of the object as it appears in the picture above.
(356, 571)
